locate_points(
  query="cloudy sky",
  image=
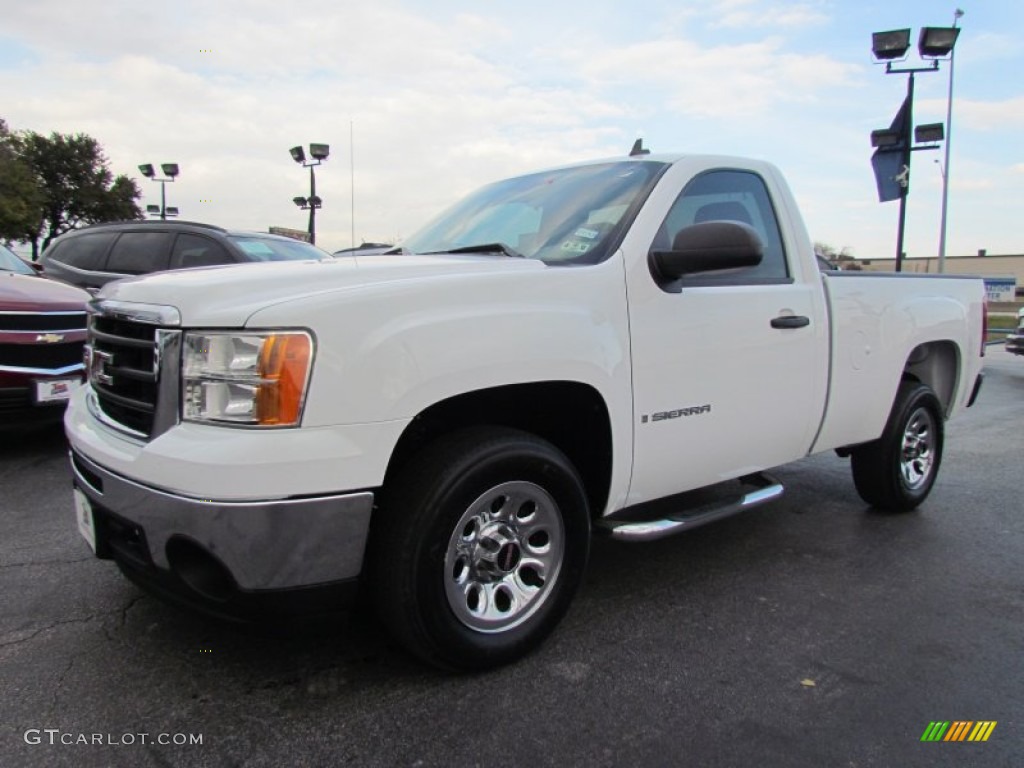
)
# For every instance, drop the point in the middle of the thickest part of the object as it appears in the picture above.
(438, 98)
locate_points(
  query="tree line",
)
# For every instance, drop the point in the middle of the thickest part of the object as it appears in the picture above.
(52, 184)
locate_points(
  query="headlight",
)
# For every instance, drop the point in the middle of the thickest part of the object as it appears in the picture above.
(252, 379)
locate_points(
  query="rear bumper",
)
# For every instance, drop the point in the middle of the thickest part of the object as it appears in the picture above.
(225, 556)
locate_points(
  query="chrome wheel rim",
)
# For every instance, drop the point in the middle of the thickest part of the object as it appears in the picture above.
(504, 557)
(918, 454)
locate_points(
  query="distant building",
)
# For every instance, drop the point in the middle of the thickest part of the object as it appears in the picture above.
(294, 234)
(982, 264)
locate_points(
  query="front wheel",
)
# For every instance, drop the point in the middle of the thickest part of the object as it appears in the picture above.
(479, 546)
(896, 472)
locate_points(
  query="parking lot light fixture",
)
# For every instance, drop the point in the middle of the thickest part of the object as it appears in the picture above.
(885, 137)
(930, 133)
(894, 147)
(949, 139)
(890, 45)
(170, 171)
(319, 153)
(937, 42)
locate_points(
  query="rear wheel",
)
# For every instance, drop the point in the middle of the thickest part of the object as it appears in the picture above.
(478, 547)
(896, 472)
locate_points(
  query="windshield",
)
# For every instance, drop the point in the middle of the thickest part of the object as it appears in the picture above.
(10, 262)
(271, 249)
(569, 215)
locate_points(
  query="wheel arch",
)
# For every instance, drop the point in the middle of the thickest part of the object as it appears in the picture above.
(936, 364)
(571, 415)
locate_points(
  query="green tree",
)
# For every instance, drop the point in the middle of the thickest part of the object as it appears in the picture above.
(76, 184)
(21, 198)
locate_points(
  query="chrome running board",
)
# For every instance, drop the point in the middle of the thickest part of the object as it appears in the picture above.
(764, 488)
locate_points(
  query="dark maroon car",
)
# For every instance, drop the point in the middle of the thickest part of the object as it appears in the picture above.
(42, 333)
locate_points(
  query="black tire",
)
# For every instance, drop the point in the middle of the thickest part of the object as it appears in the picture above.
(896, 472)
(478, 547)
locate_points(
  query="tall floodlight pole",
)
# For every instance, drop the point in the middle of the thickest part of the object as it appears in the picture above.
(949, 137)
(907, 140)
(171, 171)
(895, 145)
(319, 153)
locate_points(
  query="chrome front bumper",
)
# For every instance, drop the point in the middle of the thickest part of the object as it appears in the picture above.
(264, 545)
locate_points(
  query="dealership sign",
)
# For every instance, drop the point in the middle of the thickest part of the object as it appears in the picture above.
(1001, 288)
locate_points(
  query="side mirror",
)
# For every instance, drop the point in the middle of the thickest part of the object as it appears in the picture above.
(707, 247)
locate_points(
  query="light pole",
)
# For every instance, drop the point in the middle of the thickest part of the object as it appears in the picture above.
(949, 138)
(893, 146)
(170, 170)
(319, 153)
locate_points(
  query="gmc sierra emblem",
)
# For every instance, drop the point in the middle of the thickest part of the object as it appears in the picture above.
(693, 410)
(98, 367)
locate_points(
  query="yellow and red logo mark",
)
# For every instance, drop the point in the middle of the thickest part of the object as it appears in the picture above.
(958, 730)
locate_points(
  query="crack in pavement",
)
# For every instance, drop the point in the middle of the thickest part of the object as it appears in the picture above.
(35, 632)
(60, 684)
(39, 630)
(131, 604)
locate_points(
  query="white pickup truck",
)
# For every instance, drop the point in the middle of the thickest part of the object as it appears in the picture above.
(446, 425)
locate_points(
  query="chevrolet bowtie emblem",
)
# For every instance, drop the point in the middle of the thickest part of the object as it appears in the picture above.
(50, 338)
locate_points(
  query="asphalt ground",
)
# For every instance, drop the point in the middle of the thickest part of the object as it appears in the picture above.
(809, 632)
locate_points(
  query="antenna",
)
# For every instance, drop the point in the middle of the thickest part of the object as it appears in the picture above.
(638, 149)
(352, 175)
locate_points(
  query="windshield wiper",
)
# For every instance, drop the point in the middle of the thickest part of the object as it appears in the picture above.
(481, 248)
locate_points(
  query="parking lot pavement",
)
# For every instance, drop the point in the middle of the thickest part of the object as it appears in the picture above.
(809, 632)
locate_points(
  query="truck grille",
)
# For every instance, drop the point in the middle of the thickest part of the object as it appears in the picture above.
(124, 370)
(42, 343)
(42, 321)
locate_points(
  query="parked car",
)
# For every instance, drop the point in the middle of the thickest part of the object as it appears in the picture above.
(93, 256)
(42, 335)
(1015, 341)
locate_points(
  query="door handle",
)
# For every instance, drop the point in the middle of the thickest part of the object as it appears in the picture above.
(791, 321)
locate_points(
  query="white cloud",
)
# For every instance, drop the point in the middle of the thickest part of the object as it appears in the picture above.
(1003, 115)
(748, 13)
(432, 117)
(720, 81)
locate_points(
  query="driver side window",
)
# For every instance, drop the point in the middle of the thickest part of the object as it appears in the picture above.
(729, 196)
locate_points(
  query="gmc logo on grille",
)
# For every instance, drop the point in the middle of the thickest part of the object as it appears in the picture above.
(98, 367)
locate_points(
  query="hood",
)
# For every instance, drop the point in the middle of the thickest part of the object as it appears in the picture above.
(30, 293)
(228, 295)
